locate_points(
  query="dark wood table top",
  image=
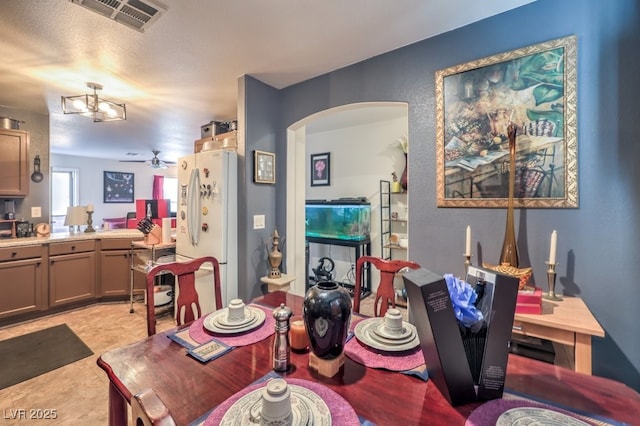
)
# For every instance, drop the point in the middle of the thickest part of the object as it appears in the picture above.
(190, 389)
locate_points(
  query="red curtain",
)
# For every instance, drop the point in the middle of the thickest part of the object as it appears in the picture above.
(158, 185)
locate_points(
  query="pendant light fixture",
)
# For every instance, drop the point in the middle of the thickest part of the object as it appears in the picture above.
(94, 107)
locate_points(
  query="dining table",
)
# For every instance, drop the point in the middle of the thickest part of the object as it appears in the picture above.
(190, 388)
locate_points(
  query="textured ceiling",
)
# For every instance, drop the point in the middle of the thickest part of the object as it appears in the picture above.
(182, 71)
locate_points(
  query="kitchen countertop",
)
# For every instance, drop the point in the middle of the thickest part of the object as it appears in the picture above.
(66, 236)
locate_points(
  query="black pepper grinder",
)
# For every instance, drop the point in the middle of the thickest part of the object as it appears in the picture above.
(281, 346)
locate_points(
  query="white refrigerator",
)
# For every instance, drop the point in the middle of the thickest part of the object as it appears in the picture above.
(207, 220)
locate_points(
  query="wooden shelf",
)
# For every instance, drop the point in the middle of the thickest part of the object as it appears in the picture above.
(394, 247)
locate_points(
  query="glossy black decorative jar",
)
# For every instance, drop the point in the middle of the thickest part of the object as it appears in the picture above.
(327, 315)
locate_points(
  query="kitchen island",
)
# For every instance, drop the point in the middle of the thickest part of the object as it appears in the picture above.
(43, 275)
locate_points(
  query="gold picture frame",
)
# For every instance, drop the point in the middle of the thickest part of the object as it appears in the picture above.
(533, 87)
(264, 167)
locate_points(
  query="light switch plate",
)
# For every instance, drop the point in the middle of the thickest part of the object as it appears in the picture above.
(36, 212)
(258, 221)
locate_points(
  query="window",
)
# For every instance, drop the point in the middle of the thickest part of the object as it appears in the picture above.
(64, 193)
(170, 191)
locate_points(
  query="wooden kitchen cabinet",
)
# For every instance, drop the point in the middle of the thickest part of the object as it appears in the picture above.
(14, 163)
(72, 272)
(23, 280)
(115, 265)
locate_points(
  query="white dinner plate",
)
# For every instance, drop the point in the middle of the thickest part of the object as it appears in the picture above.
(252, 319)
(390, 342)
(365, 334)
(306, 406)
(211, 324)
(536, 416)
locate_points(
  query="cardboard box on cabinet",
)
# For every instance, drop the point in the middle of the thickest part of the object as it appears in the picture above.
(440, 337)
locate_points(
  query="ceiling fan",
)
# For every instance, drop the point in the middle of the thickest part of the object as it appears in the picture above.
(154, 163)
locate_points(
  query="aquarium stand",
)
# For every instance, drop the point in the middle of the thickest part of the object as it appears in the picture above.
(361, 247)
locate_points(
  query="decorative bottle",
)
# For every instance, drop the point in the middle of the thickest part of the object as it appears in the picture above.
(281, 346)
(509, 253)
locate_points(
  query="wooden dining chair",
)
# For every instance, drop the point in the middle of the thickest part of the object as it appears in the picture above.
(147, 409)
(187, 303)
(385, 295)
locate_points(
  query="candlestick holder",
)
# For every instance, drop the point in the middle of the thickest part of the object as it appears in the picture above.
(467, 263)
(551, 280)
(89, 223)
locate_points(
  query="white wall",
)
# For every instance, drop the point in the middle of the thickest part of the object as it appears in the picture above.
(91, 182)
(361, 155)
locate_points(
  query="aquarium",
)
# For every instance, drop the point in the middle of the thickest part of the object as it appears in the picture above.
(342, 219)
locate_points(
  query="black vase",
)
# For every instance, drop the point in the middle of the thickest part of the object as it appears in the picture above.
(327, 315)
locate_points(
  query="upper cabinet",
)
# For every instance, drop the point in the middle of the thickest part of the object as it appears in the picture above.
(14, 163)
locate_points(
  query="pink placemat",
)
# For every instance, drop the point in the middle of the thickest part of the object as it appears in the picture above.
(341, 411)
(400, 361)
(198, 333)
(489, 412)
(371, 358)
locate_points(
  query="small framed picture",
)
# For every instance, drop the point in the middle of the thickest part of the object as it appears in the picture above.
(264, 170)
(118, 187)
(320, 169)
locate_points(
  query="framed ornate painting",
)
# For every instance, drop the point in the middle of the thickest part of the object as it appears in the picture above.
(534, 88)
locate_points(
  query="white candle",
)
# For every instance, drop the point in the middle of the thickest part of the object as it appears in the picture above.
(90, 207)
(552, 249)
(467, 247)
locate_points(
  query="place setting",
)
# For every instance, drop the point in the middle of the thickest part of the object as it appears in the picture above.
(234, 319)
(387, 342)
(273, 400)
(215, 334)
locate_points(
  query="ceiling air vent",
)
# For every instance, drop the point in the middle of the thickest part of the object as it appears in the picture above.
(136, 14)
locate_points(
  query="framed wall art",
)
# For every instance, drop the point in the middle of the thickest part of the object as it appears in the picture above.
(264, 167)
(534, 88)
(320, 169)
(118, 187)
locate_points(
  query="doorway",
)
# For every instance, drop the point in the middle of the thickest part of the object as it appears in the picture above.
(357, 119)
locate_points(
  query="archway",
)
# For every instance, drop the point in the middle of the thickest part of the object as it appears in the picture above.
(297, 168)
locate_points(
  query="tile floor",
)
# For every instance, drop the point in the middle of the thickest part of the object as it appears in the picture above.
(79, 391)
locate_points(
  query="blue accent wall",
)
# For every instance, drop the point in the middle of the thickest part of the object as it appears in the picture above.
(598, 243)
(258, 116)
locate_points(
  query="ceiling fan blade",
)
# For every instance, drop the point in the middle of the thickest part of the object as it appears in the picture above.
(154, 162)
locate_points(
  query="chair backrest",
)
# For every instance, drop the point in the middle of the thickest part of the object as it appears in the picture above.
(148, 409)
(385, 295)
(187, 303)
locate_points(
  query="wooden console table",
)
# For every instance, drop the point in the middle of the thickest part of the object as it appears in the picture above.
(568, 322)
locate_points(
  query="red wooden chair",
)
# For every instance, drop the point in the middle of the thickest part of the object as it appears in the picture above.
(147, 409)
(187, 304)
(385, 294)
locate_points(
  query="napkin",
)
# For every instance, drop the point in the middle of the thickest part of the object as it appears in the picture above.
(202, 352)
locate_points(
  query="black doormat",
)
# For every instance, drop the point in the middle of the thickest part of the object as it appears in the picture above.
(28, 356)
